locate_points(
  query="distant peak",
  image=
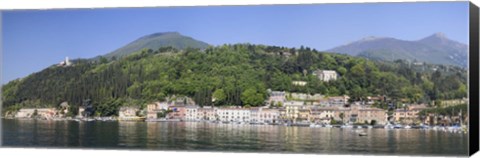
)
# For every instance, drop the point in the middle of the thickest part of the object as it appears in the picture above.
(371, 38)
(439, 35)
(161, 34)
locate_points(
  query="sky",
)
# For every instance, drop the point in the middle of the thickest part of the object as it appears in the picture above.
(33, 40)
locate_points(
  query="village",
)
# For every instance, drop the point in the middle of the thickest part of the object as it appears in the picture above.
(281, 108)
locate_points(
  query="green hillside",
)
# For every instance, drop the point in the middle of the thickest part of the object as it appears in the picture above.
(234, 74)
(157, 40)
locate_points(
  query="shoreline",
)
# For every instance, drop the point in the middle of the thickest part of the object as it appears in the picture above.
(449, 129)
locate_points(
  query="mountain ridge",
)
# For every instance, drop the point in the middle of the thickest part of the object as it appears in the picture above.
(436, 49)
(157, 40)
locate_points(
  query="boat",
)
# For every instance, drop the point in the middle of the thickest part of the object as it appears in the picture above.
(369, 127)
(328, 126)
(362, 134)
(132, 118)
(388, 126)
(408, 127)
(397, 126)
(312, 125)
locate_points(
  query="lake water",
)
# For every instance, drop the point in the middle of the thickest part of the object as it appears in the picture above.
(200, 136)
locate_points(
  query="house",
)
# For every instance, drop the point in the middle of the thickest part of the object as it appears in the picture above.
(45, 113)
(337, 101)
(372, 114)
(234, 114)
(321, 114)
(371, 100)
(65, 63)
(299, 83)
(81, 110)
(409, 114)
(266, 115)
(277, 98)
(303, 114)
(304, 96)
(207, 113)
(254, 115)
(155, 108)
(326, 75)
(294, 103)
(192, 113)
(177, 112)
(64, 107)
(453, 102)
(297, 112)
(128, 112)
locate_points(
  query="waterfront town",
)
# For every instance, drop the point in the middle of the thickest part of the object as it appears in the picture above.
(280, 108)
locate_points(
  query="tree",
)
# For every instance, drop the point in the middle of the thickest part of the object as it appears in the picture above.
(219, 96)
(252, 97)
(341, 116)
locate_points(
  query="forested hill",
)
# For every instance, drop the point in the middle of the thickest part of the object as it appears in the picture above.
(157, 40)
(233, 74)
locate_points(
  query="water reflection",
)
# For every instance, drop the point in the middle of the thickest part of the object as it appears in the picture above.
(229, 137)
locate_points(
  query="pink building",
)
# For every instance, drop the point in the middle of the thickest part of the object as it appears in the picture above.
(177, 112)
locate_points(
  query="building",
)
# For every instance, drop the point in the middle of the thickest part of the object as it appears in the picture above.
(128, 112)
(254, 115)
(155, 108)
(277, 98)
(46, 113)
(303, 114)
(321, 114)
(81, 111)
(453, 102)
(192, 113)
(234, 114)
(299, 83)
(297, 112)
(372, 114)
(372, 100)
(336, 101)
(66, 62)
(266, 115)
(177, 112)
(326, 75)
(304, 96)
(409, 114)
(207, 113)
(294, 103)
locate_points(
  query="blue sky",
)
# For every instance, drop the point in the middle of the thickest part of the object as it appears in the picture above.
(36, 39)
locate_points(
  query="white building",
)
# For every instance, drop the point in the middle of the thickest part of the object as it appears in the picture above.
(299, 83)
(207, 113)
(66, 62)
(192, 113)
(268, 115)
(234, 114)
(326, 75)
(127, 112)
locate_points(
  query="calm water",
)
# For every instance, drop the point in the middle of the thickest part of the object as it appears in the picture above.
(228, 137)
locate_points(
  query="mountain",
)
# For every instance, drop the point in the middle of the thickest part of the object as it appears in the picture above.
(435, 49)
(237, 74)
(157, 40)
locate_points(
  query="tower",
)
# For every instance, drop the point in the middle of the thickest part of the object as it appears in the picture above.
(67, 62)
